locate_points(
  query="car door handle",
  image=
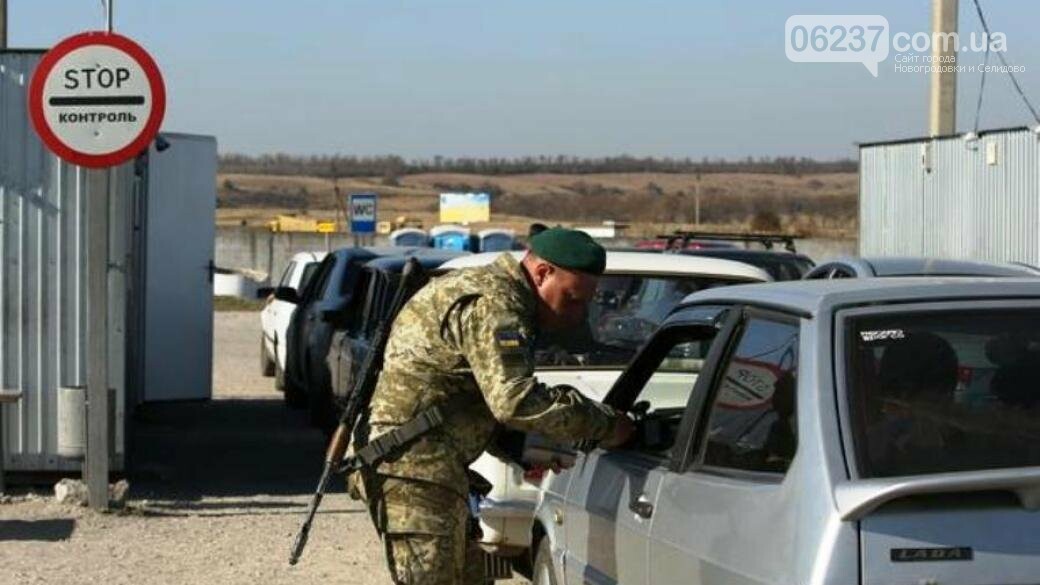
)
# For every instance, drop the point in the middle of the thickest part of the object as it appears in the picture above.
(642, 507)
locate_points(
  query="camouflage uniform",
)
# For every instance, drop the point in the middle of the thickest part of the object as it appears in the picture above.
(467, 333)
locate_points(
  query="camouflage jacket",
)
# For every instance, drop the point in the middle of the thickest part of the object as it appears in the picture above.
(470, 332)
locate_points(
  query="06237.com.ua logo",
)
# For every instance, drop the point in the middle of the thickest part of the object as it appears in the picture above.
(866, 39)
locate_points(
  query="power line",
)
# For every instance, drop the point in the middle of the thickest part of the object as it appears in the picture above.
(1003, 61)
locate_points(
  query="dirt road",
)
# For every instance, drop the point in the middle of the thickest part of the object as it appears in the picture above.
(217, 495)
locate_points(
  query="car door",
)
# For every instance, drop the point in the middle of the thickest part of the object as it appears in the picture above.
(725, 514)
(270, 316)
(609, 499)
(367, 319)
(302, 322)
(279, 315)
(349, 326)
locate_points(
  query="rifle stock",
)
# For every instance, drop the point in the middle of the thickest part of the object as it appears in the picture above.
(413, 277)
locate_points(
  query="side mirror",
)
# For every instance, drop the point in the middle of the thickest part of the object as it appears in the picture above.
(264, 292)
(287, 294)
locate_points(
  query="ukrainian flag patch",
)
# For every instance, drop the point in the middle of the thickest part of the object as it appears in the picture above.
(509, 339)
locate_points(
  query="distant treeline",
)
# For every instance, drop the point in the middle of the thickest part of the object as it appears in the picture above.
(390, 167)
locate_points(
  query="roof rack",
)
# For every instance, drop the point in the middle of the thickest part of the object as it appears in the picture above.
(764, 238)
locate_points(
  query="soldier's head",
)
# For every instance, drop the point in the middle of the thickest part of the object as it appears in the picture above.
(564, 267)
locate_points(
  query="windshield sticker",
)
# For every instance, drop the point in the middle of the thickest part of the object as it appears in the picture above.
(882, 335)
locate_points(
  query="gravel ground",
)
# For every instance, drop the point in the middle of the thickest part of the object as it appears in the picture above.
(218, 492)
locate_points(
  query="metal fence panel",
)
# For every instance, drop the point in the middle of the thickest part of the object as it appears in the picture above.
(953, 197)
(42, 279)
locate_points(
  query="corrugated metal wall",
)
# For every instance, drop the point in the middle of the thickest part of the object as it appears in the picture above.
(953, 198)
(43, 279)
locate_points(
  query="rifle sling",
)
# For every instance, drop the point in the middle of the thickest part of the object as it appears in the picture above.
(391, 442)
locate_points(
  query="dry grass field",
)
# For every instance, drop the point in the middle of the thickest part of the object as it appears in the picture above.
(814, 204)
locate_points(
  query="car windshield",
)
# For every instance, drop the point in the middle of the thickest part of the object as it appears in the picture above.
(625, 311)
(945, 391)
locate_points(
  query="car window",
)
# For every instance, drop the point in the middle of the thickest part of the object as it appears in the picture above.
(328, 281)
(287, 274)
(349, 277)
(316, 284)
(944, 391)
(308, 273)
(372, 313)
(665, 375)
(751, 421)
(355, 312)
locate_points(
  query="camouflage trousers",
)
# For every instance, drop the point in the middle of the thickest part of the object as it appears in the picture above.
(423, 527)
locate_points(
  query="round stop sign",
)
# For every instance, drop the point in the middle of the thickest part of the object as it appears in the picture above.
(97, 99)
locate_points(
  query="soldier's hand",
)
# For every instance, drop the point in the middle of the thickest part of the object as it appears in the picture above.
(623, 430)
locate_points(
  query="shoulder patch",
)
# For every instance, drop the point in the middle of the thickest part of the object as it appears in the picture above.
(509, 339)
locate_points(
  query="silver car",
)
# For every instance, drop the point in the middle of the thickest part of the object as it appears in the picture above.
(855, 267)
(877, 431)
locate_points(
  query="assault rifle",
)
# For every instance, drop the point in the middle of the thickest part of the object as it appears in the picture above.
(413, 277)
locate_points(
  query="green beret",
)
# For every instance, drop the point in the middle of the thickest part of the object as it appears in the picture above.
(570, 249)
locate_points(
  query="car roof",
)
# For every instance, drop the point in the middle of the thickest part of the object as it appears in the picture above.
(308, 257)
(643, 263)
(378, 251)
(810, 297)
(743, 253)
(889, 266)
(428, 260)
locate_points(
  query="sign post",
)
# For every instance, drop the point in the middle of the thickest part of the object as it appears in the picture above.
(362, 215)
(97, 100)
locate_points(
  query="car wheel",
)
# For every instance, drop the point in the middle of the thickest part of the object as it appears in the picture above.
(293, 395)
(267, 365)
(544, 572)
(322, 413)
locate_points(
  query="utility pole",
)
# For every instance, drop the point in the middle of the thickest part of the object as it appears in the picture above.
(96, 461)
(942, 103)
(3, 24)
(697, 201)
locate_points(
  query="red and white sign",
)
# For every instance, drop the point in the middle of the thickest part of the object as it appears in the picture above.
(748, 384)
(97, 99)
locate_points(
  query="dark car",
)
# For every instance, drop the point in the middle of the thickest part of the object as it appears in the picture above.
(375, 286)
(779, 265)
(326, 297)
(786, 265)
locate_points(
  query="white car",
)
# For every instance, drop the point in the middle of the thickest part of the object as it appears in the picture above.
(635, 294)
(276, 314)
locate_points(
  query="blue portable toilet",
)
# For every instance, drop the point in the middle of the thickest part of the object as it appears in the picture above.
(496, 240)
(411, 237)
(450, 237)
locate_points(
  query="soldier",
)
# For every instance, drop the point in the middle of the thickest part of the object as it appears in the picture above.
(465, 343)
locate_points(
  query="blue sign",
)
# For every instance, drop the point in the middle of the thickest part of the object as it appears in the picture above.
(363, 213)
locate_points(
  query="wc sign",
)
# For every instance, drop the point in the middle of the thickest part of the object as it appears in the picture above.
(363, 213)
(97, 99)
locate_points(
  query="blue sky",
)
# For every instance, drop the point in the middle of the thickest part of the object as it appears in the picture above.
(581, 77)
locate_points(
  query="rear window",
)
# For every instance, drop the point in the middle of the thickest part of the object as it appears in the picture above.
(782, 268)
(943, 392)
